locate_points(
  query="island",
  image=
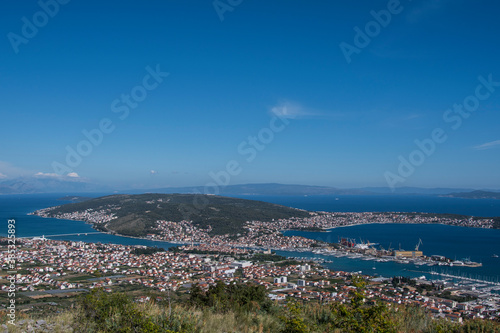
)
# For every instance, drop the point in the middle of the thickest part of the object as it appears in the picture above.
(230, 222)
(475, 195)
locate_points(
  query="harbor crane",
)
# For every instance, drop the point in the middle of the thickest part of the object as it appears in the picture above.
(418, 244)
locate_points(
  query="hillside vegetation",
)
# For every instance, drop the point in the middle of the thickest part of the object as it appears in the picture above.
(240, 308)
(137, 214)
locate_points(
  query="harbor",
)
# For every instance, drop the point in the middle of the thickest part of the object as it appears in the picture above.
(348, 247)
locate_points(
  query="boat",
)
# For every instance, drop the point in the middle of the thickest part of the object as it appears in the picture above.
(494, 256)
(467, 262)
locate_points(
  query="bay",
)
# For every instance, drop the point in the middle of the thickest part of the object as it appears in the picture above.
(453, 242)
(19, 206)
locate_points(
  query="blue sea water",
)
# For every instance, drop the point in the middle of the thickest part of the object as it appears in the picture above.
(19, 206)
(387, 203)
(453, 242)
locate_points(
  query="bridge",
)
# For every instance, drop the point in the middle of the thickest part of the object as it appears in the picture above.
(58, 235)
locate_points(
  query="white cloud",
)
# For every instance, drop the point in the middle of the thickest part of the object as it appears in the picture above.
(488, 145)
(47, 175)
(288, 110)
(8, 170)
(153, 172)
(72, 175)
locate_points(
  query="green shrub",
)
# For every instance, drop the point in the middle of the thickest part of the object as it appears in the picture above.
(102, 312)
(358, 317)
(293, 321)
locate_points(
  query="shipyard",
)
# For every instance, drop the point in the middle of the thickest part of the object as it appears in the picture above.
(348, 247)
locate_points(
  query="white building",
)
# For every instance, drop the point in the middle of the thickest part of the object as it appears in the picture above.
(241, 264)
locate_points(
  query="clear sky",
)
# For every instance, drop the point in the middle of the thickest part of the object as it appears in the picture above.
(314, 92)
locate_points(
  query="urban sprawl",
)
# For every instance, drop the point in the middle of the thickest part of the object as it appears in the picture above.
(267, 234)
(53, 267)
(50, 262)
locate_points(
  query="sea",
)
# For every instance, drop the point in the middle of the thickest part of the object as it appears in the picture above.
(479, 245)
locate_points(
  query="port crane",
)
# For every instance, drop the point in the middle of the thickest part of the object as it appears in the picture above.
(418, 244)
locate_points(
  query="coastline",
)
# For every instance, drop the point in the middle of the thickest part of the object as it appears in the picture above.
(357, 224)
(347, 264)
(112, 233)
(338, 263)
(322, 230)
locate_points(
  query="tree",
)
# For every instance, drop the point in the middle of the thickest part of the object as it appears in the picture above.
(293, 321)
(222, 298)
(358, 317)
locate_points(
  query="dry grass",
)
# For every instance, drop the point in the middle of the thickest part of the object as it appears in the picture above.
(191, 319)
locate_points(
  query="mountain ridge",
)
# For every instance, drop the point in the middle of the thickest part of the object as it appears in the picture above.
(70, 185)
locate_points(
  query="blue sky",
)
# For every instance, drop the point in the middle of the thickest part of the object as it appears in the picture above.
(273, 71)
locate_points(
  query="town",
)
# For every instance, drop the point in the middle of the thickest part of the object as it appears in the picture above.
(49, 269)
(267, 234)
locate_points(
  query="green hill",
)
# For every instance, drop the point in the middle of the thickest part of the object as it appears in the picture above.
(137, 214)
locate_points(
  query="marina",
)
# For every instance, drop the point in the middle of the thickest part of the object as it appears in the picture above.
(367, 251)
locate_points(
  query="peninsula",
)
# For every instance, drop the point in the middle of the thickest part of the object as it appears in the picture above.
(223, 221)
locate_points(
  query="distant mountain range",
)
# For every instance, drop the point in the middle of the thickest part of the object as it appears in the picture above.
(474, 195)
(31, 185)
(72, 186)
(286, 189)
(266, 189)
(414, 190)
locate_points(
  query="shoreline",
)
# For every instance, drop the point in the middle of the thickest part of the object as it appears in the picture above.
(104, 232)
(322, 230)
(295, 252)
(357, 224)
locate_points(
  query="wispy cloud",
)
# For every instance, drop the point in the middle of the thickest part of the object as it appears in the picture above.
(2, 176)
(293, 110)
(288, 110)
(47, 175)
(72, 175)
(488, 145)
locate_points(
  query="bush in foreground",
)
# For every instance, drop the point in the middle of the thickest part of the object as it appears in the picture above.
(241, 308)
